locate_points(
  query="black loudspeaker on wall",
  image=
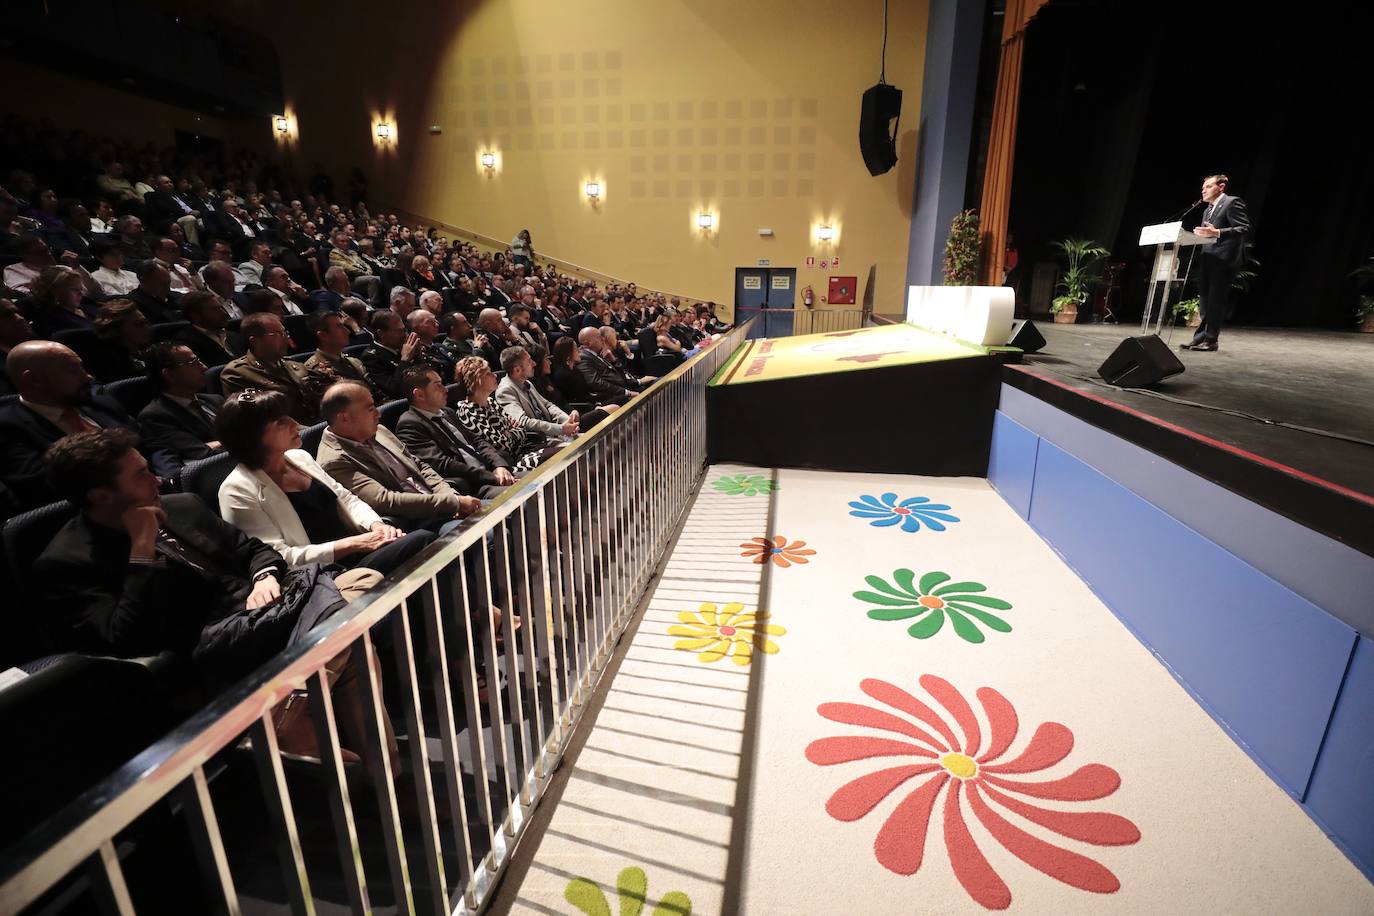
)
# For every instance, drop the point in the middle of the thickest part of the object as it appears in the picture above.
(882, 103)
(1138, 362)
(1026, 336)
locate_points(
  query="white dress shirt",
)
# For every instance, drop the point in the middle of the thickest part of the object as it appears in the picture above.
(116, 282)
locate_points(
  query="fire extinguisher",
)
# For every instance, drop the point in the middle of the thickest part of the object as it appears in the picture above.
(808, 297)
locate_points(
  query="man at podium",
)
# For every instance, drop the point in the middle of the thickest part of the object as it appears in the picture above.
(1227, 221)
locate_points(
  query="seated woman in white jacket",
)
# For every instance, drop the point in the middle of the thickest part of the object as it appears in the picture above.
(279, 495)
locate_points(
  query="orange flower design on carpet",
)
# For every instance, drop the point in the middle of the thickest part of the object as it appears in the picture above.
(729, 632)
(761, 550)
(972, 777)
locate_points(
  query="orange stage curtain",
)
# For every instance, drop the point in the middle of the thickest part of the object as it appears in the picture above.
(996, 203)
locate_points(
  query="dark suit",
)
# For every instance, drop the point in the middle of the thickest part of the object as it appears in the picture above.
(346, 368)
(162, 209)
(208, 349)
(110, 363)
(100, 602)
(606, 383)
(464, 458)
(157, 311)
(385, 369)
(25, 435)
(1219, 263)
(179, 432)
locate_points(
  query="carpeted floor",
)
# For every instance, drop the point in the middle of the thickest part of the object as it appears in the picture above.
(902, 701)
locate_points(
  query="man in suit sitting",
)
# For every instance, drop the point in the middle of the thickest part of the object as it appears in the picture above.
(606, 383)
(154, 293)
(164, 207)
(208, 336)
(393, 351)
(527, 407)
(136, 575)
(1226, 220)
(266, 366)
(376, 467)
(180, 421)
(434, 434)
(496, 336)
(55, 400)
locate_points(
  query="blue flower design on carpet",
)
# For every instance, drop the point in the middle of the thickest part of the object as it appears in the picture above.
(910, 513)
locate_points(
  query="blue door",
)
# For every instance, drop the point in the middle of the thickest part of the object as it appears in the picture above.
(766, 287)
(751, 294)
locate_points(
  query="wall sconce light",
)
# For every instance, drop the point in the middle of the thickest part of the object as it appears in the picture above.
(593, 189)
(281, 124)
(825, 233)
(383, 131)
(488, 160)
(705, 221)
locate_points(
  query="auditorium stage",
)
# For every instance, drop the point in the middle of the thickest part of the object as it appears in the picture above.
(1316, 379)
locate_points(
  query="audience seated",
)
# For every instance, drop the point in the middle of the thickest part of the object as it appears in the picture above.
(331, 336)
(266, 368)
(58, 302)
(520, 448)
(208, 336)
(604, 381)
(153, 295)
(259, 259)
(114, 280)
(496, 336)
(55, 400)
(122, 334)
(293, 296)
(128, 230)
(458, 341)
(134, 575)
(278, 494)
(34, 258)
(433, 433)
(363, 282)
(221, 256)
(14, 330)
(425, 326)
(179, 422)
(337, 289)
(167, 254)
(523, 403)
(375, 466)
(392, 352)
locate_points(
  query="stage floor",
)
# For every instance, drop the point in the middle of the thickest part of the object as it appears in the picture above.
(1318, 379)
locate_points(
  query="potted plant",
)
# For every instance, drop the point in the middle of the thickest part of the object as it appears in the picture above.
(961, 250)
(1083, 270)
(1364, 304)
(1189, 311)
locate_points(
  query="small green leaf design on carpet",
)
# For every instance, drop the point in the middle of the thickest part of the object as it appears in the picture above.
(744, 485)
(932, 601)
(632, 887)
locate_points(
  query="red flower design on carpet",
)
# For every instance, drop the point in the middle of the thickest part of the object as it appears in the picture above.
(761, 550)
(972, 776)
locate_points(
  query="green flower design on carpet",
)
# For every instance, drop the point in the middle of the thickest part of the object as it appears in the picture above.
(632, 890)
(931, 602)
(744, 485)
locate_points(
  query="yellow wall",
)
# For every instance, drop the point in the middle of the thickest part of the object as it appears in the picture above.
(747, 110)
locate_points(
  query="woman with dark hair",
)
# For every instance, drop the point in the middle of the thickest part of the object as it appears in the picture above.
(122, 334)
(521, 248)
(543, 383)
(520, 448)
(44, 209)
(279, 495)
(569, 382)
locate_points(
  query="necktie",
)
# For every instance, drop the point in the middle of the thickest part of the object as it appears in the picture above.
(398, 470)
(469, 456)
(1207, 217)
(74, 422)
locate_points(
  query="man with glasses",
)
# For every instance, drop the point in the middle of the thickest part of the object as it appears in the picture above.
(266, 367)
(180, 421)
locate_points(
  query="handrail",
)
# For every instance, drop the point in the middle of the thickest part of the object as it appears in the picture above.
(82, 831)
(562, 263)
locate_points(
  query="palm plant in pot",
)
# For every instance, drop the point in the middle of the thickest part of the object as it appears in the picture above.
(1083, 270)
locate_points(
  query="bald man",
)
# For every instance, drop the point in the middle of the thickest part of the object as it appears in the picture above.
(55, 400)
(607, 384)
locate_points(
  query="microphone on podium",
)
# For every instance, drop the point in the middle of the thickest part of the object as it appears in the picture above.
(1184, 212)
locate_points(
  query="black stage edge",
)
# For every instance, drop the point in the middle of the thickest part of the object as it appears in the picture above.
(1311, 501)
(930, 418)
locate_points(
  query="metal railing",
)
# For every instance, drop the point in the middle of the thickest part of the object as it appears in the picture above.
(795, 322)
(570, 548)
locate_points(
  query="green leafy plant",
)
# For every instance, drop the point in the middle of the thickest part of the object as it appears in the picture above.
(962, 250)
(1364, 279)
(1364, 308)
(1186, 309)
(1083, 270)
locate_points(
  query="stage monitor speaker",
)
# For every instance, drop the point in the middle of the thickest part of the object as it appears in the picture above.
(1139, 362)
(1026, 336)
(881, 103)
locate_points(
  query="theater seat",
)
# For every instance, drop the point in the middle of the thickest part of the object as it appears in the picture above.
(203, 478)
(662, 364)
(391, 413)
(212, 380)
(25, 537)
(133, 394)
(310, 438)
(169, 329)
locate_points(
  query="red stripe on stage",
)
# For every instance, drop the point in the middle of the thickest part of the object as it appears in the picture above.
(1215, 443)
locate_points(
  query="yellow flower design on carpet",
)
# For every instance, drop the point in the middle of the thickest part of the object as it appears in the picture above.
(715, 633)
